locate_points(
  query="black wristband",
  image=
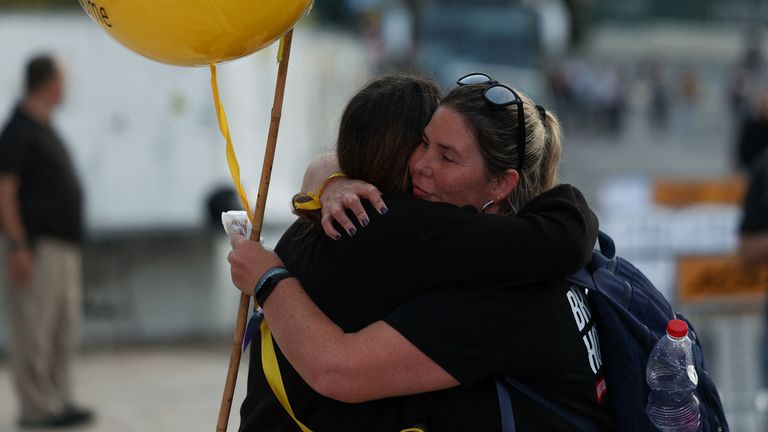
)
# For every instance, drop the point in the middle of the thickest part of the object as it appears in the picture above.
(268, 282)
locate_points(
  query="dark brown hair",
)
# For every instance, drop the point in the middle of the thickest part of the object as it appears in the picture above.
(39, 71)
(380, 128)
(496, 129)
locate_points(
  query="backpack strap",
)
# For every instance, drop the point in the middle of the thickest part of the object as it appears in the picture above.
(584, 277)
(599, 261)
(605, 256)
(607, 246)
(505, 407)
(579, 421)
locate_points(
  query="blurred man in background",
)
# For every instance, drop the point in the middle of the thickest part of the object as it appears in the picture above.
(753, 138)
(41, 219)
(753, 244)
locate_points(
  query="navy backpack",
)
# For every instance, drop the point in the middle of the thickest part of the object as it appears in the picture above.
(631, 315)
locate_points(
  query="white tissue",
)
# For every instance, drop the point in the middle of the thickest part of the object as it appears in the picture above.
(236, 223)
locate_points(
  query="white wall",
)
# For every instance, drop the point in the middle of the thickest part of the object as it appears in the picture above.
(145, 140)
(144, 134)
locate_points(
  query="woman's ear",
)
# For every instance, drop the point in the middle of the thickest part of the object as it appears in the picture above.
(506, 183)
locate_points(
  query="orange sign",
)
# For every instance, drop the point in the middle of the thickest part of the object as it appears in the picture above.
(682, 192)
(704, 277)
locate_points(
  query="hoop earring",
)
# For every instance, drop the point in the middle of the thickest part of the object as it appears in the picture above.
(488, 204)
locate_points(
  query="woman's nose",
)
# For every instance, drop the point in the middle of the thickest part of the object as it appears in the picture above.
(423, 165)
(427, 170)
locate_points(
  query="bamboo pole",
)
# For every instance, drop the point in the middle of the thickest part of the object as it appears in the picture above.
(258, 219)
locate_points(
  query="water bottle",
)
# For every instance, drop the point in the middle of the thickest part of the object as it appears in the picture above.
(671, 374)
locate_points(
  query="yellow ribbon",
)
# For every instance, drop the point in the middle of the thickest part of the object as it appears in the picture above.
(268, 357)
(315, 203)
(281, 49)
(234, 167)
(272, 373)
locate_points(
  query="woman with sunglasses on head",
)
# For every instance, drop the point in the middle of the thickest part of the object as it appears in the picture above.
(432, 295)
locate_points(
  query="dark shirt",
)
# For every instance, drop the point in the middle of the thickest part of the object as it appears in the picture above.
(756, 201)
(752, 141)
(417, 247)
(541, 334)
(50, 197)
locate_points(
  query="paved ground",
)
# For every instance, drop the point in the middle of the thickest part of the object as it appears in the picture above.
(145, 389)
(178, 388)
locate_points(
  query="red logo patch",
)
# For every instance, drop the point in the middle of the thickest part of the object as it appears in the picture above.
(600, 389)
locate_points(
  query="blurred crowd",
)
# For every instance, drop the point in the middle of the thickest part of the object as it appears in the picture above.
(598, 96)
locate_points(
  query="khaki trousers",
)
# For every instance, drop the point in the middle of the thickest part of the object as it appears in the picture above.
(45, 318)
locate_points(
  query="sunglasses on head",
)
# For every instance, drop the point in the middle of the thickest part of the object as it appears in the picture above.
(500, 95)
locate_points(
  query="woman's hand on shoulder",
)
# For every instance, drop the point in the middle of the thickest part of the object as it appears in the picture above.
(249, 260)
(344, 194)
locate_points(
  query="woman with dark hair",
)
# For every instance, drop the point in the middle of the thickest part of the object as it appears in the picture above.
(381, 125)
(433, 294)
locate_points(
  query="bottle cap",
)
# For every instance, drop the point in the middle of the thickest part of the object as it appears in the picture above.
(677, 328)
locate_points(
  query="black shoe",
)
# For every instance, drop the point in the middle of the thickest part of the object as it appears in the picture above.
(71, 416)
(75, 416)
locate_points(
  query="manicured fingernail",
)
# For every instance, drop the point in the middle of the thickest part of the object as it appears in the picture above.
(338, 237)
(365, 222)
(383, 210)
(352, 231)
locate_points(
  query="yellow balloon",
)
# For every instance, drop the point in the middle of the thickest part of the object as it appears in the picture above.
(195, 32)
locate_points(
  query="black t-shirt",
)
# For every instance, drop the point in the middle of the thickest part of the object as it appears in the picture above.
(50, 197)
(543, 335)
(416, 247)
(756, 202)
(752, 141)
